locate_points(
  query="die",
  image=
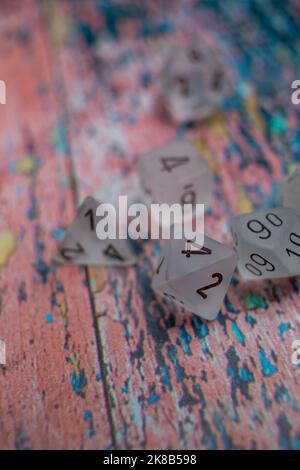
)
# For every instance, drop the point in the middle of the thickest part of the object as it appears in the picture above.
(81, 246)
(195, 277)
(268, 243)
(193, 82)
(290, 191)
(175, 173)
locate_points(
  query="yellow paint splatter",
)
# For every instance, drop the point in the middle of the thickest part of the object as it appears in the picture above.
(205, 152)
(60, 24)
(8, 244)
(98, 279)
(217, 125)
(27, 165)
(244, 204)
(73, 359)
(252, 108)
(63, 309)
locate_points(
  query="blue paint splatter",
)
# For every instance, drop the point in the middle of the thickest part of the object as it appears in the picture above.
(238, 334)
(59, 287)
(98, 376)
(268, 369)
(125, 387)
(79, 382)
(49, 317)
(185, 339)
(153, 399)
(250, 319)
(200, 328)
(282, 394)
(282, 328)
(88, 416)
(60, 138)
(58, 234)
(179, 371)
(246, 375)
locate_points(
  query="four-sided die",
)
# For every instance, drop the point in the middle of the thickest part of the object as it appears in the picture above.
(81, 245)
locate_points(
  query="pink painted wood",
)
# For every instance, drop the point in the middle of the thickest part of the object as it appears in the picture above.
(51, 388)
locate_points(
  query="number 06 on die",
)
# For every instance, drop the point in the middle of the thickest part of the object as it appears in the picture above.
(267, 243)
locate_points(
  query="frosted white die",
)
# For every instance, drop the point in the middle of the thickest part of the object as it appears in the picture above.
(268, 243)
(81, 246)
(175, 173)
(193, 82)
(290, 191)
(197, 278)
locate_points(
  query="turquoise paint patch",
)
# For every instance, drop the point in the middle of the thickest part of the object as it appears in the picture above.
(58, 233)
(60, 139)
(268, 369)
(179, 371)
(238, 334)
(246, 375)
(282, 394)
(282, 328)
(166, 377)
(200, 328)
(185, 340)
(251, 302)
(153, 399)
(250, 319)
(78, 382)
(205, 347)
(90, 432)
(59, 287)
(87, 415)
(278, 124)
(99, 377)
(49, 317)
(296, 443)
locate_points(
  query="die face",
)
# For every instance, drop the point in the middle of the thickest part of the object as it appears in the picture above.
(265, 245)
(289, 254)
(182, 262)
(264, 228)
(81, 245)
(175, 173)
(205, 289)
(260, 263)
(290, 191)
(198, 278)
(193, 82)
(160, 281)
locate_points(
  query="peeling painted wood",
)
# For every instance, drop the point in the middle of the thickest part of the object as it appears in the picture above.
(51, 387)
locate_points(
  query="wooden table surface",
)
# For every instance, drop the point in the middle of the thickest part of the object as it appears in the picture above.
(94, 359)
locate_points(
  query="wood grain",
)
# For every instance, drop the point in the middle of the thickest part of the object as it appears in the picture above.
(51, 389)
